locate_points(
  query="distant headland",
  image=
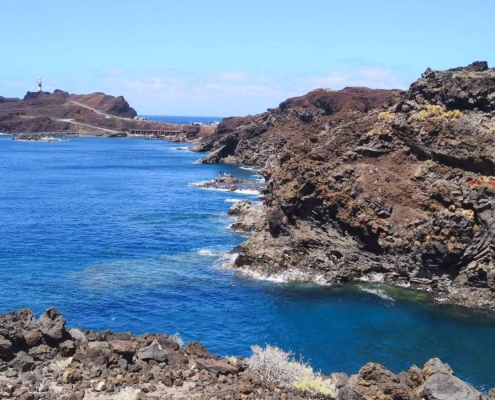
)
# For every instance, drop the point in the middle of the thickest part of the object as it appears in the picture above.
(43, 115)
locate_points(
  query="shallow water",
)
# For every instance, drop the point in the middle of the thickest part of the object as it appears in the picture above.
(112, 233)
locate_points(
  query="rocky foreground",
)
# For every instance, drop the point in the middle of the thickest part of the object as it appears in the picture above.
(382, 185)
(40, 359)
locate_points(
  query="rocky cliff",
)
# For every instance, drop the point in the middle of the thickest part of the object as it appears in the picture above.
(377, 185)
(41, 359)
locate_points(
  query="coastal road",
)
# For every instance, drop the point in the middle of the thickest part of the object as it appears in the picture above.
(97, 111)
(71, 121)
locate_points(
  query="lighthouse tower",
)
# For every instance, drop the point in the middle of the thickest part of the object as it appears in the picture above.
(39, 84)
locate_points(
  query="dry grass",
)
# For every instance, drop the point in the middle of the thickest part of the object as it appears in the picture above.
(434, 111)
(280, 367)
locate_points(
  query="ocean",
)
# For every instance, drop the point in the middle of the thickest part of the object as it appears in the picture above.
(113, 233)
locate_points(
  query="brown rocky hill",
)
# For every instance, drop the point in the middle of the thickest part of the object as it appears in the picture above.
(374, 184)
(94, 114)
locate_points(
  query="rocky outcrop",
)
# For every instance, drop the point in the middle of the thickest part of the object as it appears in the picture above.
(436, 381)
(249, 217)
(363, 183)
(40, 359)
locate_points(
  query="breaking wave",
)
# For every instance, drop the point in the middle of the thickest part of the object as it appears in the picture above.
(377, 292)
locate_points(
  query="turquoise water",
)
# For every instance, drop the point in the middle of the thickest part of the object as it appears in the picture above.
(111, 232)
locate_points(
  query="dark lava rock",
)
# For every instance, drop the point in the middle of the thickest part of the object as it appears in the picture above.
(67, 348)
(52, 325)
(389, 183)
(22, 362)
(198, 350)
(152, 352)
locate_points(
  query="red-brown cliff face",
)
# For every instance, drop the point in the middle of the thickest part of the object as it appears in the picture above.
(365, 184)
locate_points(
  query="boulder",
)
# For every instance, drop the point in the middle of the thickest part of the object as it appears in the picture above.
(152, 352)
(5, 348)
(125, 347)
(78, 336)
(72, 375)
(375, 382)
(198, 350)
(22, 362)
(33, 337)
(13, 324)
(42, 352)
(52, 325)
(441, 384)
(67, 348)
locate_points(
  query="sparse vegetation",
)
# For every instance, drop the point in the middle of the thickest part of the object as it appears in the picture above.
(435, 111)
(282, 368)
(232, 360)
(385, 115)
(64, 364)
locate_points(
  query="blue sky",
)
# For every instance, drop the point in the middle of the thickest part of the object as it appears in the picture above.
(225, 58)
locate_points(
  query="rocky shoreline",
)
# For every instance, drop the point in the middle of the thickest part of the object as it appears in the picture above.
(41, 359)
(229, 183)
(382, 185)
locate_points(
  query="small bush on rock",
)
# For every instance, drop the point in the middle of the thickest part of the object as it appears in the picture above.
(281, 368)
(231, 360)
(435, 111)
(385, 115)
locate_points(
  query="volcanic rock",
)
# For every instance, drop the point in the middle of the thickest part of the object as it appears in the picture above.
(375, 184)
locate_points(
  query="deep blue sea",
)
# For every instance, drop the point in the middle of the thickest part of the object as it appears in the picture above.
(111, 232)
(187, 120)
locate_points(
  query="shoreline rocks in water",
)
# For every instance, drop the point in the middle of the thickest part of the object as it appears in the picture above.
(249, 217)
(40, 359)
(230, 183)
(37, 137)
(374, 183)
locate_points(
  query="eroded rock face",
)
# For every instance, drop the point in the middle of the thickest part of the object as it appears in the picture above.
(364, 183)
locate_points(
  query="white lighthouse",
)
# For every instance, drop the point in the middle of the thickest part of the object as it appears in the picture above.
(39, 84)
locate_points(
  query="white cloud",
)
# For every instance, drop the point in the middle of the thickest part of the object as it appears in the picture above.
(231, 92)
(372, 77)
